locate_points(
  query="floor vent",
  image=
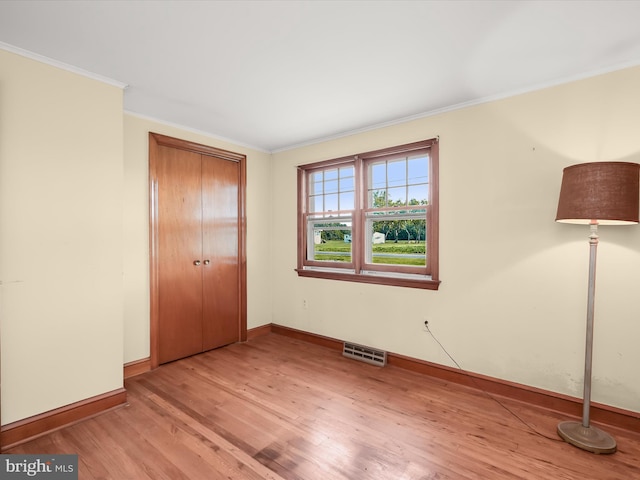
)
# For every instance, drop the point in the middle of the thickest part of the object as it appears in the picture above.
(365, 354)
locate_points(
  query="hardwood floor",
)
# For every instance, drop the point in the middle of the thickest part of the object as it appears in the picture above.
(279, 408)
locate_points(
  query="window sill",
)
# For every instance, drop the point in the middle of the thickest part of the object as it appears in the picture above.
(425, 283)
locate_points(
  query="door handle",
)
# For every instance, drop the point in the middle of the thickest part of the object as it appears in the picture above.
(207, 262)
(196, 262)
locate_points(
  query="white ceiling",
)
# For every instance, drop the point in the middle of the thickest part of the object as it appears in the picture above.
(276, 74)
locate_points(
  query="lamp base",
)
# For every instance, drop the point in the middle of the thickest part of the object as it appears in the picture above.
(589, 438)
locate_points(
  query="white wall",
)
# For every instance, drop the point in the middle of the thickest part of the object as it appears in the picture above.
(61, 181)
(136, 229)
(512, 302)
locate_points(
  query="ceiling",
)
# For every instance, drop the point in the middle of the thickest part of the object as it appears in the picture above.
(277, 74)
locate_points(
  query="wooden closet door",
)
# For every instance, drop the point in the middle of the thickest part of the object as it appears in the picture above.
(197, 213)
(220, 246)
(179, 245)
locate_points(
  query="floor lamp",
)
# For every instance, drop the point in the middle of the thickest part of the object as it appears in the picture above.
(598, 193)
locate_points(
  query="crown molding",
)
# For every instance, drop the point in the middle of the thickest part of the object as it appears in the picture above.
(64, 66)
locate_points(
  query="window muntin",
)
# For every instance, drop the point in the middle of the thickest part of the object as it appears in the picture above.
(399, 181)
(331, 190)
(371, 217)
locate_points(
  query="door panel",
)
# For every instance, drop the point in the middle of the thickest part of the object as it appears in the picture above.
(179, 245)
(220, 243)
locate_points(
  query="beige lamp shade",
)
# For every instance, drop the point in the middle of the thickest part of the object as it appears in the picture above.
(604, 193)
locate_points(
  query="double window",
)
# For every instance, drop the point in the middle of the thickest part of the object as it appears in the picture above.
(371, 217)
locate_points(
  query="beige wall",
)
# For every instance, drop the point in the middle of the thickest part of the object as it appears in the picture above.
(136, 230)
(74, 241)
(512, 303)
(61, 237)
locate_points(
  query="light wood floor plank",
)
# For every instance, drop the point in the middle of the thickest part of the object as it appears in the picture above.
(276, 408)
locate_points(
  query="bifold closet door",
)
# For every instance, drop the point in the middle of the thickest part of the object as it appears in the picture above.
(180, 295)
(220, 242)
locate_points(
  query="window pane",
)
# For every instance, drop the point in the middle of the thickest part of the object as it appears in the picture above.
(346, 172)
(378, 177)
(418, 194)
(331, 203)
(397, 242)
(377, 198)
(315, 188)
(397, 196)
(346, 183)
(418, 169)
(397, 173)
(331, 174)
(330, 241)
(315, 183)
(399, 182)
(331, 186)
(332, 190)
(315, 204)
(347, 201)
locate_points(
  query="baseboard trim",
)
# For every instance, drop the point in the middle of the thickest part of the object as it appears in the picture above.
(570, 406)
(327, 342)
(259, 331)
(27, 429)
(131, 369)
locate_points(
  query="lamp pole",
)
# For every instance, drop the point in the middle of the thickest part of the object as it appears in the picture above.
(583, 435)
(588, 349)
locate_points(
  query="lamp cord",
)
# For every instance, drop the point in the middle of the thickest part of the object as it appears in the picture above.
(489, 395)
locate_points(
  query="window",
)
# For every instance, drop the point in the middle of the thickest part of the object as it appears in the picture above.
(371, 217)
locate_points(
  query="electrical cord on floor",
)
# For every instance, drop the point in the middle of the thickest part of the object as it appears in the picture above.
(515, 415)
